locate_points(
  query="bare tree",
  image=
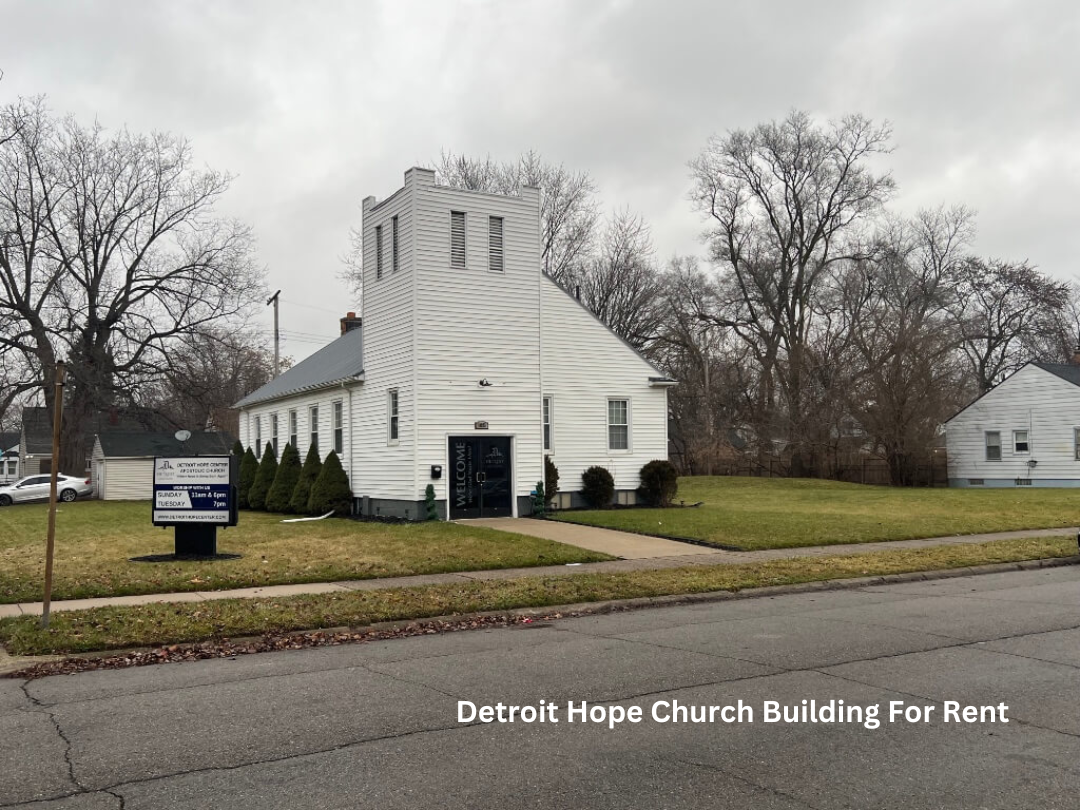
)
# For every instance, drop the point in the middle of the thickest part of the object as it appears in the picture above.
(622, 285)
(786, 201)
(109, 252)
(1009, 312)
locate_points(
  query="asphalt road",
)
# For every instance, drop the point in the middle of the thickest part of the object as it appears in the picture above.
(376, 725)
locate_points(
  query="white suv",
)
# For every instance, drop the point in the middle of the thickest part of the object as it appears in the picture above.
(36, 488)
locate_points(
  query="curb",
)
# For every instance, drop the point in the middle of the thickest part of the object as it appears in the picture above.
(450, 623)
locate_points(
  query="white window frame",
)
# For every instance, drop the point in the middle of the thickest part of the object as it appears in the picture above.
(313, 428)
(258, 436)
(464, 240)
(337, 419)
(378, 252)
(497, 254)
(628, 424)
(294, 435)
(393, 417)
(274, 434)
(1076, 443)
(547, 420)
(395, 262)
(986, 439)
(1027, 441)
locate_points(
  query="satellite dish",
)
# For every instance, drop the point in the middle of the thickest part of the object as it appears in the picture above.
(182, 435)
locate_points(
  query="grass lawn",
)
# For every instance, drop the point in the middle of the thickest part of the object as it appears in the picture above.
(754, 513)
(94, 540)
(118, 627)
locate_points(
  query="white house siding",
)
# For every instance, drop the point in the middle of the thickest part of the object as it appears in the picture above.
(585, 365)
(324, 399)
(30, 465)
(1032, 399)
(128, 479)
(383, 469)
(475, 324)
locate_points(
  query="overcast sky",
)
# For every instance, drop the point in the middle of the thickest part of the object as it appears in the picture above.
(316, 105)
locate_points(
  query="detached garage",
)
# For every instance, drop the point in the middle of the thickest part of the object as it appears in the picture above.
(123, 463)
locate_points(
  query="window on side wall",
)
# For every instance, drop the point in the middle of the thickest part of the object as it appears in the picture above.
(293, 438)
(1076, 443)
(547, 423)
(495, 243)
(378, 251)
(457, 240)
(313, 426)
(1020, 442)
(392, 416)
(618, 424)
(993, 445)
(393, 245)
(273, 434)
(258, 437)
(339, 428)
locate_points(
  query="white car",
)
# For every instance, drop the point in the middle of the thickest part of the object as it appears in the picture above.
(36, 488)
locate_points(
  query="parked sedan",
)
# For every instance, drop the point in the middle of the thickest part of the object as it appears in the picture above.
(36, 488)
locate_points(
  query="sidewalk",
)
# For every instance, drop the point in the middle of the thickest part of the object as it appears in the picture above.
(698, 556)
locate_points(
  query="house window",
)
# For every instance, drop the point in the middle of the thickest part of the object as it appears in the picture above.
(1076, 443)
(313, 426)
(292, 429)
(618, 424)
(993, 445)
(378, 251)
(495, 243)
(393, 245)
(392, 415)
(547, 423)
(1020, 442)
(258, 436)
(457, 240)
(273, 432)
(339, 433)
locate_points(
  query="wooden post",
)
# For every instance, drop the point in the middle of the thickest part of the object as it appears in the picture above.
(50, 541)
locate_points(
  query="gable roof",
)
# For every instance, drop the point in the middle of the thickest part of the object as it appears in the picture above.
(37, 426)
(339, 361)
(662, 378)
(142, 445)
(1066, 371)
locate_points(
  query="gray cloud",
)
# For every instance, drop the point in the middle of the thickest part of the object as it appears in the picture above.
(314, 106)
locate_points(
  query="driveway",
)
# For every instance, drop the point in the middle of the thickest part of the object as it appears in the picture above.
(376, 725)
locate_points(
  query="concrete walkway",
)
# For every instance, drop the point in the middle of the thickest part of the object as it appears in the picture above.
(697, 555)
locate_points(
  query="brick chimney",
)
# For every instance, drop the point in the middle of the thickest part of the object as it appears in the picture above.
(349, 322)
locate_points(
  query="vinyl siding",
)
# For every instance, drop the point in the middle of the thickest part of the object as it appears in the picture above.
(128, 479)
(476, 323)
(1034, 400)
(585, 365)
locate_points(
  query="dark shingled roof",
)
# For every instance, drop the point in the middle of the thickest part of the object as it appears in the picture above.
(38, 426)
(142, 445)
(1067, 371)
(9, 441)
(337, 362)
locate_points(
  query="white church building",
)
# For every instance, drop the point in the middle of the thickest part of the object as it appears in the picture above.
(466, 367)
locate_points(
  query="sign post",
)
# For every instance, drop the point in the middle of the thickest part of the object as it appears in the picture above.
(195, 495)
(50, 537)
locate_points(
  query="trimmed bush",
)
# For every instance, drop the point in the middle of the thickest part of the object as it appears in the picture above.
(330, 492)
(249, 466)
(238, 449)
(551, 480)
(659, 482)
(298, 502)
(279, 498)
(263, 479)
(431, 511)
(598, 487)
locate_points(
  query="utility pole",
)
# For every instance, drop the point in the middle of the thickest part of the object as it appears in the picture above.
(273, 299)
(50, 538)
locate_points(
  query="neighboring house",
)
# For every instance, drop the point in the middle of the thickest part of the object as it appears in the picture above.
(470, 367)
(1023, 432)
(9, 457)
(123, 463)
(35, 441)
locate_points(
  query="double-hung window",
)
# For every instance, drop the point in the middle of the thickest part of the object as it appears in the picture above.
(457, 240)
(392, 416)
(547, 423)
(618, 424)
(1076, 443)
(993, 445)
(313, 426)
(292, 430)
(393, 245)
(273, 433)
(495, 243)
(258, 437)
(1020, 442)
(339, 428)
(378, 251)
